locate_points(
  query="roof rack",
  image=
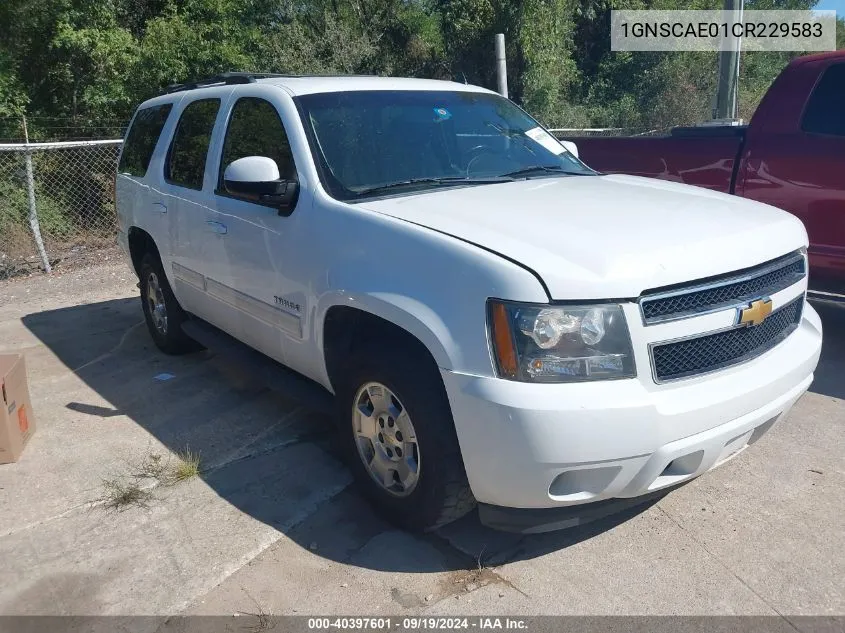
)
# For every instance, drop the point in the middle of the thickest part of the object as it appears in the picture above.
(225, 79)
(234, 78)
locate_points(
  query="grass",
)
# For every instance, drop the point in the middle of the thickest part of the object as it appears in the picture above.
(119, 495)
(184, 465)
(135, 488)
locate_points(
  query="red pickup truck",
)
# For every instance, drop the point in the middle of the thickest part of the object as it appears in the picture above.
(791, 155)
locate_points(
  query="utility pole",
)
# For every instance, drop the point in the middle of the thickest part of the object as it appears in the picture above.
(729, 69)
(501, 66)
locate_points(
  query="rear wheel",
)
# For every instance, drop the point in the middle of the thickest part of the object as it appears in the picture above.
(400, 439)
(162, 312)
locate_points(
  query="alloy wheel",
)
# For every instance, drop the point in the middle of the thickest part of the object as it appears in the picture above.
(386, 439)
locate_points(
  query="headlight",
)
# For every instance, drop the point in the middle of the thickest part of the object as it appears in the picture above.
(560, 343)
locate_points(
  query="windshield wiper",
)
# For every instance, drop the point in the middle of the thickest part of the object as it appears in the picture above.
(538, 169)
(449, 180)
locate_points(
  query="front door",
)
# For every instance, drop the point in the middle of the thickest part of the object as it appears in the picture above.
(253, 272)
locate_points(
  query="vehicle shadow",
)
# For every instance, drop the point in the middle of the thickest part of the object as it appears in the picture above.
(271, 457)
(829, 379)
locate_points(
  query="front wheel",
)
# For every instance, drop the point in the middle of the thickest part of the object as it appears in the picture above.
(401, 443)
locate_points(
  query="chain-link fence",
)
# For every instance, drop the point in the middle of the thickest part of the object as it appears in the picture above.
(40, 129)
(56, 203)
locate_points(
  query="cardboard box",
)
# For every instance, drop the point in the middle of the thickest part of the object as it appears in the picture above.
(17, 424)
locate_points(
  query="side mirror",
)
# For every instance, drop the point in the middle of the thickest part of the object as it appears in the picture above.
(571, 147)
(257, 178)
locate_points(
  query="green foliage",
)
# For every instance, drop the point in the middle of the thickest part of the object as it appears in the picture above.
(90, 62)
(549, 71)
(14, 210)
(840, 33)
(13, 98)
(200, 39)
(93, 60)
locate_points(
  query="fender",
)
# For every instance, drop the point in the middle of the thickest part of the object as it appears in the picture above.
(432, 285)
(406, 312)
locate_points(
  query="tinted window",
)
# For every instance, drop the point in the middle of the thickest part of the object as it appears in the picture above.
(189, 150)
(255, 129)
(141, 140)
(825, 113)
(376, 142)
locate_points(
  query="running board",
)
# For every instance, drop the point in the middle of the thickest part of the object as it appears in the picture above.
(261, 368)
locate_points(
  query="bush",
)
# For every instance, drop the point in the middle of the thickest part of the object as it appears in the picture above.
(14, 209)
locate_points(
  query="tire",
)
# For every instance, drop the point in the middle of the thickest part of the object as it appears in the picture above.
(164, 323)
(441, 492)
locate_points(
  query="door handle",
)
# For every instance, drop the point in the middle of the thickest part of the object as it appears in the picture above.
(161, 206)
(217, 227)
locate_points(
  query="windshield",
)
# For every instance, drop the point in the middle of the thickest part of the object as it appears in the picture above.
(386, 142)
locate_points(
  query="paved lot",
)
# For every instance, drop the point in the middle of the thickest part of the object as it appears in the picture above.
(272, 524)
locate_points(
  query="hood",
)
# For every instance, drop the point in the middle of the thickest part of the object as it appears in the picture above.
(606, 237)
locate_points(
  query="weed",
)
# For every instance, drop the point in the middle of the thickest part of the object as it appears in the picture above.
(135, 488)
(171, 471)
(187, 466)
(264, 620)
(151, 467)
(119, 495)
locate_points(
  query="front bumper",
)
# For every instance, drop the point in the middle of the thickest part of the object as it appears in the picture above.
(538, 520)
(553, 446)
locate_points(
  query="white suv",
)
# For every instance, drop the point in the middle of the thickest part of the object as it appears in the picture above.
(499, 323)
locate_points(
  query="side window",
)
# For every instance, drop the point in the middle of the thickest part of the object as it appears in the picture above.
(825, 112)
(255, 129)
(141, 140)
(189, 149)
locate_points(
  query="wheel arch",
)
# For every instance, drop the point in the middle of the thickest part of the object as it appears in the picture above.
(344, 324)
(140, 242)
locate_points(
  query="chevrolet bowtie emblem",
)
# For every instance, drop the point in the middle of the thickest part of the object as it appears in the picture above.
(756, 312)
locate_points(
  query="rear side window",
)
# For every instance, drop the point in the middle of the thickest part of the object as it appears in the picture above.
(142, 138)
(825, 113)
(255, 129)
(189, 149)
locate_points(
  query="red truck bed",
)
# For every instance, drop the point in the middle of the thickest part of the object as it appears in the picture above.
(791, 155)
(698, 156)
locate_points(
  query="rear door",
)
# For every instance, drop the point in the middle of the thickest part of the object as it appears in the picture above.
(803, 171)
(185, 192)
(138, 203)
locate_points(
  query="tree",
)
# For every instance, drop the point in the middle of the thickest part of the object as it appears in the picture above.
(92, 60)
(13, 97)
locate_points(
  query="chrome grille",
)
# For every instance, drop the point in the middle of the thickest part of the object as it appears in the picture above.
(722, 292)
(703, 354)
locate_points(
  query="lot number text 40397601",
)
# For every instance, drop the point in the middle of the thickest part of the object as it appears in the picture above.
(418, 623)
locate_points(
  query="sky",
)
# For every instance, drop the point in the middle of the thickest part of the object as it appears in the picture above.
(837, 5)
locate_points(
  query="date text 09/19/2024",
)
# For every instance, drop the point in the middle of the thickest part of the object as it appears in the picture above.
(412, 624)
